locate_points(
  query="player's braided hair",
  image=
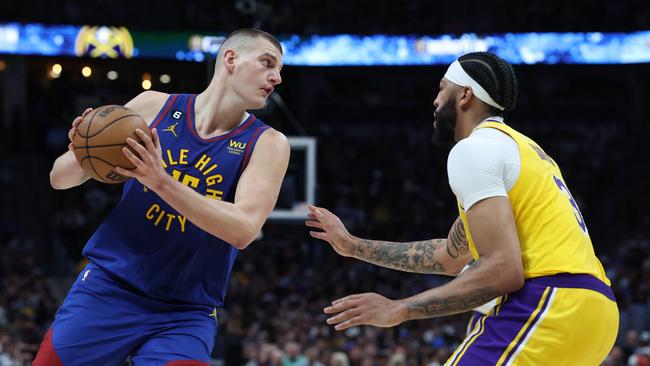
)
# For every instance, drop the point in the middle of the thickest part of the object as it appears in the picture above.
(495, 75)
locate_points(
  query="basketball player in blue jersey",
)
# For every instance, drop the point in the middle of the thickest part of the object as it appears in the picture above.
(203, 186)
(518, 221)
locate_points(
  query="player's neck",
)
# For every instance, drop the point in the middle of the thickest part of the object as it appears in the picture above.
(468, 121)
(217, 112)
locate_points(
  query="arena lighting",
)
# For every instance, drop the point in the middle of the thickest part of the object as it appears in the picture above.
(112, 75)
(330, 50)
(86, 71)
(165, 79)
(146, 84)
(55, 71)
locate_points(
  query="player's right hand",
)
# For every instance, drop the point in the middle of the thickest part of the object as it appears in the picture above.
(73, 128)
(333, 230)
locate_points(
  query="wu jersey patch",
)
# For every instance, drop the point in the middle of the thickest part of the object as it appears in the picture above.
(236, 147)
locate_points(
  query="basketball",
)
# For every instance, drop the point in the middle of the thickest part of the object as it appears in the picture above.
(100, 138)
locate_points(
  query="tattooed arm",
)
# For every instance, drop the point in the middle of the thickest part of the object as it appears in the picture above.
(498, 271)
(428, 304)
(441, 256)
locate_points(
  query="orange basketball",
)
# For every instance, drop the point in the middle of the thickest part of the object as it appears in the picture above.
(100, 138)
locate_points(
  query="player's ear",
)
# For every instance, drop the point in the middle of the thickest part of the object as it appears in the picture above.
(464, 97)
(229, 60)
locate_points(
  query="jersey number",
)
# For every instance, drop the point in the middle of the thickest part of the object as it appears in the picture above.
(187, 180)
(576, 213)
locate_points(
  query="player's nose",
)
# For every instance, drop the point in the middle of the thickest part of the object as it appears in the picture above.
(275, 78)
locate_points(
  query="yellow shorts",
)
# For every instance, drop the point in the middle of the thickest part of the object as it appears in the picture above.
(565, 319)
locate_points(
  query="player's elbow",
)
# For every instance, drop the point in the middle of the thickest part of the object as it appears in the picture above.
(242, 243)
(513, 284)
(510, 277)
(244, 238)
(56, 181)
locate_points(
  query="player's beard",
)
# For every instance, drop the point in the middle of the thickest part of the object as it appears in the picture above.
(443, 134)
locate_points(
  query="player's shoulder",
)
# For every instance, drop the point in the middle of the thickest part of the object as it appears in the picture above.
(474, 151)
(272, 142)
(148, 103)
(469, 146)
(273, 136)
(149, 97)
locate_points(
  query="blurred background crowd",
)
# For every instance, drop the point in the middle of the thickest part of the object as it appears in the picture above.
(377, 169)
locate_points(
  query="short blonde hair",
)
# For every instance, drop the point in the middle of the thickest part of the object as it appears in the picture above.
(240, 39)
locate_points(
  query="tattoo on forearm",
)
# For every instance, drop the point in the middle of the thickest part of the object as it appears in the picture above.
(436, 306)
(418, 256)
(457, 244)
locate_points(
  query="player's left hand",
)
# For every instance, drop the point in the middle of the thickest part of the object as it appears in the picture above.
(148, 165)
(366, 309)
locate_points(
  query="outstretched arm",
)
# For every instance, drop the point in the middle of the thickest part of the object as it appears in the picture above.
(499, 270)
(440, 256)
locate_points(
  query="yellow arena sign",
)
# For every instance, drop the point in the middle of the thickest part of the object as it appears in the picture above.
(103, 41)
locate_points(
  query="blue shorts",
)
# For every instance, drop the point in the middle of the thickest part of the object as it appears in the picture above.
(103, 322)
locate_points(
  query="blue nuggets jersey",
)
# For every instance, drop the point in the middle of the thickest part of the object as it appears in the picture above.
(146, 243)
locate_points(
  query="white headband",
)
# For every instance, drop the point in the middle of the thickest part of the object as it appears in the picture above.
(458, 76)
